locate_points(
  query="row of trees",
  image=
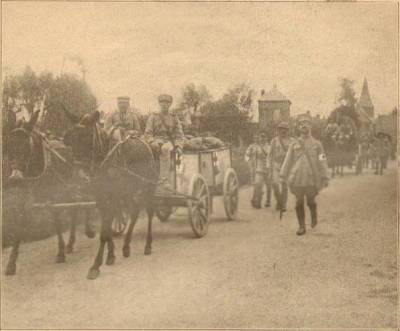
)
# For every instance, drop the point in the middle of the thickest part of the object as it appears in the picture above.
(198, 101)
(29, 91)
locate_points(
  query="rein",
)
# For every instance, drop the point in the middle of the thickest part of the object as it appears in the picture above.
(122, 142)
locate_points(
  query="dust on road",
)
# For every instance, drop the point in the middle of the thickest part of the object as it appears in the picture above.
(250, 273)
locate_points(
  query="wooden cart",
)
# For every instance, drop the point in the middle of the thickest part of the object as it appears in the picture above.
(195, 179)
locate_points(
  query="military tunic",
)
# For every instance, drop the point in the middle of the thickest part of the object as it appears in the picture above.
(161, 128)
(164, 133)
(303, 171)
(380, 153)
(257, 155)
(279, 148)
(128, 121)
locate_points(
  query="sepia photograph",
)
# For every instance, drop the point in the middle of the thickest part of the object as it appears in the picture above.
(199, 165)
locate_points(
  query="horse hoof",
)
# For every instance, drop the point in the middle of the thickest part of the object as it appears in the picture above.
(126, 251)
(93, 273)
(147, 250)
(69, 249)
(60, 259)
(90, 234)
(11, 270)
(110, 260)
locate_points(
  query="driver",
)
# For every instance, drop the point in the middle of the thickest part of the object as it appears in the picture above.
(124, 118)
(164, 134)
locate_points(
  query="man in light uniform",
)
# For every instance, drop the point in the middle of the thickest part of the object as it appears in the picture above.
(305, 170)
(279, 147)
(123, 121)
(164, 134)
(257, 154)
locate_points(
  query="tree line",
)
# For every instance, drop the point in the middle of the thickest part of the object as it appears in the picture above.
(29, 91)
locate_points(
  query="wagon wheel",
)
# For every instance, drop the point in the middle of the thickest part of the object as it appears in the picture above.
(199, 209)
(119, 224)
(231, 193)
(164, 213)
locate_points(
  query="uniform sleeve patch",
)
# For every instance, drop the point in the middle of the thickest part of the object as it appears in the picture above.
(322, 157)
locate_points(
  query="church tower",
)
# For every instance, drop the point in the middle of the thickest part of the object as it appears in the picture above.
(365, 102)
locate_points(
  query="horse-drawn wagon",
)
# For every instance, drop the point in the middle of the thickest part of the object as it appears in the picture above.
(196, 177)
(341, 140)
(120, 177)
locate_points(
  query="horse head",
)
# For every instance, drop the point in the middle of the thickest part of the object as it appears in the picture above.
(86, 139)
(23, 144)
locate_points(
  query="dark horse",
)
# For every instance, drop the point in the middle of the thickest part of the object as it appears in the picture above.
(37, 171)
(123, 175)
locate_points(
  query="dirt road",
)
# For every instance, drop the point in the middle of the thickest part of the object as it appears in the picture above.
(250, 273)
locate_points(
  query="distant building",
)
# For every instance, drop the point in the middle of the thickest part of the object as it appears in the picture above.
(365, 109)
(364, 103)
(273, 107)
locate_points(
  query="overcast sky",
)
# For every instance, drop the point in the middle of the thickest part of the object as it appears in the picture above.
(143, 49)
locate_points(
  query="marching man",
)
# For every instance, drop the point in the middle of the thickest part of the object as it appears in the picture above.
(279, 147)
(381, 151)
(257, 155)
(305, 170)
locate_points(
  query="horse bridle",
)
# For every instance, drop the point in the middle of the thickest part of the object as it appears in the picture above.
(28, 134)
(96, 143)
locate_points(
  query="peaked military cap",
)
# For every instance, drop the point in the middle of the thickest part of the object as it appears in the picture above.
(304, 118)
(123, 99)
(165, 98)
(283, 125)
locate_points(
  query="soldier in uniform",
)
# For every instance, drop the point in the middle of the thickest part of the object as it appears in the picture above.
(279, 147)
(123, 121)
(381, 151)
(257, 156)
(164, 134)
(306, 171)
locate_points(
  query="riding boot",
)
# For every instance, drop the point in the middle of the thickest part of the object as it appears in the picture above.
(284, 196)
(376, 168)
(269, 191)
(301, 219)
(313, 212)
(278, 197)
(165, 172)
(257, 197)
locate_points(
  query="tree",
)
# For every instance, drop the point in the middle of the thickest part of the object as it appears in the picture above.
(10, 92)
(72, 93)
(347, 94)
(30, 91)
(194, 97)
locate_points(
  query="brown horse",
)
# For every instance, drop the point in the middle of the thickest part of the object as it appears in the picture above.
(37, 173)
(123, 175)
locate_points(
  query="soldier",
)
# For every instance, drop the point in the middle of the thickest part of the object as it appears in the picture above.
(164, 134)
(124, 119)
(279, 147)
(306, 172)
(381, 151)
(257, 155)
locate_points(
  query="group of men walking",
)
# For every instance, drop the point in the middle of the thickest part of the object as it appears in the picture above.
(375, 151)
(298, 164)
